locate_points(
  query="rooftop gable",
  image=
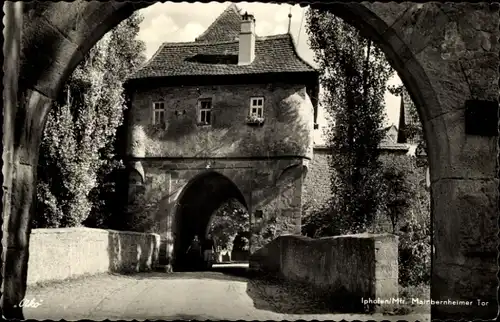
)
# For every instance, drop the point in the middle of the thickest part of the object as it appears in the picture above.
(215, 52)
(226, 27)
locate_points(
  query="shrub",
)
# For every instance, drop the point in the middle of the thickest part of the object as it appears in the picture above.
(415, 247)
(407, 205)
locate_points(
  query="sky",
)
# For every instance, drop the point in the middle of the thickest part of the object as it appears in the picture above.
(183, 22)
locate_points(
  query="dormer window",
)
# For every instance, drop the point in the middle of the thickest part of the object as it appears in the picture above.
(205, 111)
(257, 106)
(158, 113)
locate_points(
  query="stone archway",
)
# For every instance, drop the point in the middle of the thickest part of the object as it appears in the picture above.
(445, 54)
(198, 201)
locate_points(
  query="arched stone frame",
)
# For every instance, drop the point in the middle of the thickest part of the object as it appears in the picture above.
(282, 175)
(181, 232)
(55, 43)
(178, 196)
(243, 200)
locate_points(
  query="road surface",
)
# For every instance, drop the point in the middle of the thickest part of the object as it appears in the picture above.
(184, 296)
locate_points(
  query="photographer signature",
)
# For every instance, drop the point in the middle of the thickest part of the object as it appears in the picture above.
(33, 303)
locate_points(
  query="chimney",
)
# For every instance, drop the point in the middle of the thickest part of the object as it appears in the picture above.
(246, 52)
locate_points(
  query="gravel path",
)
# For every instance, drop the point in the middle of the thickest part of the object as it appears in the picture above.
(184, 296)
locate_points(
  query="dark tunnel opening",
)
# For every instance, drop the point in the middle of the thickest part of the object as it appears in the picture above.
(197, 204)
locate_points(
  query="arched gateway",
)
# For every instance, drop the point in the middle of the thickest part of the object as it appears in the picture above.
(446, 55)
(194, 208)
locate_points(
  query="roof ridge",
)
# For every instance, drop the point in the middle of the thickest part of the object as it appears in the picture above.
(232, 6)
(207, 43)
(200, 43)
(277, 36)
(294, 48)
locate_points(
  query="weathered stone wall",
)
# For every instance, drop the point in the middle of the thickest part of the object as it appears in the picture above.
(57, 254)
(273, 188)
(317, 190)
(278, 195)
(270, 187)
(287, 130)
(12, 33)
(451, 56)
(343, 267)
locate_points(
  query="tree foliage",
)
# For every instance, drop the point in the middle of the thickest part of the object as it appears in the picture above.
(366, 186)
(397, 188)
(407, 206)
(77, 151)
(228, 220)
(415, 243)
(355, 73)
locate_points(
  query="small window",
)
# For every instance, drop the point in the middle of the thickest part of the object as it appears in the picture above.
(205, 111)
(257, 106)
(158, 113)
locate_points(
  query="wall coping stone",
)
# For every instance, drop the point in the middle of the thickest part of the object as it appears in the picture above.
(86, 230)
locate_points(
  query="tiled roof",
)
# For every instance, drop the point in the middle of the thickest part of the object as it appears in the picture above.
(225, 28)
(215, 52)
(273, 54)
(390, 127)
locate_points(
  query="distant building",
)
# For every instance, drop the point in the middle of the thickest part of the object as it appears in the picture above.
(391, 135)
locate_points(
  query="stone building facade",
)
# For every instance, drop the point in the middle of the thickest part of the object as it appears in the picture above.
(230, 115)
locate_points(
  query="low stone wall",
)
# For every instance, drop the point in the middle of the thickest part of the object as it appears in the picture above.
(344, 269)
(57, 254)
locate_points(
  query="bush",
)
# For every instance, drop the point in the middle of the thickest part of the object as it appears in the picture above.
(144, 204)
(415, 250)
(108, 207)
(319, 221)
(407, 206)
